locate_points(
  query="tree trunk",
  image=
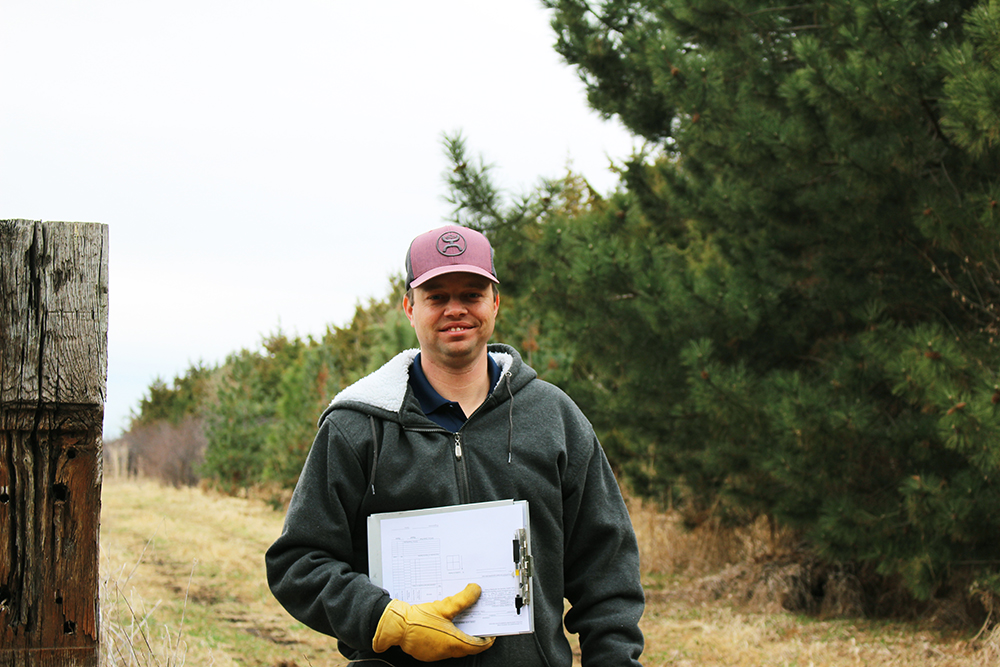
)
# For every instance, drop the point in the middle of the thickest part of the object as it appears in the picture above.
(53, 372)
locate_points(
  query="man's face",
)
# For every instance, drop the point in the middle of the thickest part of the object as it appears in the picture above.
(453, 316)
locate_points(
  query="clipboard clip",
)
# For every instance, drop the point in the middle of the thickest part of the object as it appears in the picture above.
(522, 571)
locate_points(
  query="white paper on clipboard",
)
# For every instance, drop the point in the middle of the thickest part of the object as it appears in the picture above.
(428, 554)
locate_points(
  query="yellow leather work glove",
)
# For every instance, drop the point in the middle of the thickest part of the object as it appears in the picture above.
(426, 632)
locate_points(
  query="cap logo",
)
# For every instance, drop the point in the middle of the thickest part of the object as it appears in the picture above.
(451, 244)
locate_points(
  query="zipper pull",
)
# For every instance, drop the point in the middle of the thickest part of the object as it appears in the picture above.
(458, 446)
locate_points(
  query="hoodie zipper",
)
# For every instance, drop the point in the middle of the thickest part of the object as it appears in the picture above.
(461, 469)
(462, 472)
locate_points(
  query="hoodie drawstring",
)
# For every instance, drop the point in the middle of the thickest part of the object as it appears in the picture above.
(510, 419)
(371, 481)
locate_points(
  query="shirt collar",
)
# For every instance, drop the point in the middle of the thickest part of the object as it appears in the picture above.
(430, 400)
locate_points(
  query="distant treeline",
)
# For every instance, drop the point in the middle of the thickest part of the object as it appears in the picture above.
(788, 308)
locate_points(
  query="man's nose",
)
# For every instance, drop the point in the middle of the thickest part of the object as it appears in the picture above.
(455, 305)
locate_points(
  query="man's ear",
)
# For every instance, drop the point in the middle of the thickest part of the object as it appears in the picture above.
(408, 309)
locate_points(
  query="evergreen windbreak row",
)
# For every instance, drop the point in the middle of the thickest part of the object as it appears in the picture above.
(787, 308)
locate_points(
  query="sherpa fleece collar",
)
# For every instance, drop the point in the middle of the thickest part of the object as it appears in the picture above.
(386, 387)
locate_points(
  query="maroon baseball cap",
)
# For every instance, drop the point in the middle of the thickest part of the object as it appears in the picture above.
(450, 249)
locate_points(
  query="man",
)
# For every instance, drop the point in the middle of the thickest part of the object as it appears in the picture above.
(459, 421)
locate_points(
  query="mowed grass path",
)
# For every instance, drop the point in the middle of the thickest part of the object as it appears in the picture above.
(183, 584)
(191, 565)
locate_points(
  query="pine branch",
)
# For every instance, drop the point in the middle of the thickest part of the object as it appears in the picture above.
(787, 8)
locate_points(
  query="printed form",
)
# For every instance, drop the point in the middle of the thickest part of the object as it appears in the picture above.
(425, 555)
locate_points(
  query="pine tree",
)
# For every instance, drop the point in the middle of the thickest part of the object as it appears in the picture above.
(172, 403)
(789, 307)
(261, 406)
(244, 413)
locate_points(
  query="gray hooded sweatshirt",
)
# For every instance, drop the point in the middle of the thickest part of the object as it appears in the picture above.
(376, 451)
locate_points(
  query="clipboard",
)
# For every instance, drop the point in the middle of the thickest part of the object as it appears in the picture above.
(428, 554)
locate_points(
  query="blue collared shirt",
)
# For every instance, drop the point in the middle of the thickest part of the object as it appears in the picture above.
(446, 414)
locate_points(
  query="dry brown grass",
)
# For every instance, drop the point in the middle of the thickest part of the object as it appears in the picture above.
(721, 597)
(184, 585)
(666, 546)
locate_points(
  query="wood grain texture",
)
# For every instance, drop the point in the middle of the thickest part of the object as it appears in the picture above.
(53, 371)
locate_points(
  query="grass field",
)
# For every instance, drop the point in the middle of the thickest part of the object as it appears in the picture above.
(183, 583)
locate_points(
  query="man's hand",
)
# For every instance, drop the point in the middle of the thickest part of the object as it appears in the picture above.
(426, 632)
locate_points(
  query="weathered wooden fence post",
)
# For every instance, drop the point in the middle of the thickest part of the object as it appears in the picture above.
(53, 371)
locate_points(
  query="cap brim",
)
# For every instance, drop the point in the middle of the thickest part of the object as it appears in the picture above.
(453, 268)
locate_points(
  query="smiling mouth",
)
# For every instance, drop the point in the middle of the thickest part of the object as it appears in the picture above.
(454, 329)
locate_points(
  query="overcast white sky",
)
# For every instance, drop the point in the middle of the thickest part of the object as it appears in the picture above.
(264, 163)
